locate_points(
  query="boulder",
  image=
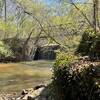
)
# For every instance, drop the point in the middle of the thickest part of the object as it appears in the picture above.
(40, 92)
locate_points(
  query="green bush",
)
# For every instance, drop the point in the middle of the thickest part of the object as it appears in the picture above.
(16, 46)
(86, 42)
(95, 47)
(74, 80)
(89, 44)
(5, 50)
(64, 58)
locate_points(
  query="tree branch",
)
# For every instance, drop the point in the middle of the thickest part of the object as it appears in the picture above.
(84, 15)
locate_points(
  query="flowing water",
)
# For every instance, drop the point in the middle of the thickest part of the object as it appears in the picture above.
(17, 76)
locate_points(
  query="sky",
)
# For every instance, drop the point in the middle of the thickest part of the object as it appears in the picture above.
(75, 1)
(50, 3)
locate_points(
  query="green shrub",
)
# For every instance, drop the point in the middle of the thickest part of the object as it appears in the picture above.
(64, 58)
(95, 47)
(5, 50)
(74, 80)
(89, 44)
(16, 46)
(86, 42)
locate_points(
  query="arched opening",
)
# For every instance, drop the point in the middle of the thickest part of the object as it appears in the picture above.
(37, 54)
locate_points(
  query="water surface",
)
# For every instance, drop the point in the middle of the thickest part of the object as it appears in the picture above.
(17, 76)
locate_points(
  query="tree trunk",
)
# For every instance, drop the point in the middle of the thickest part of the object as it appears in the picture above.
(5, 12)
(96, 15)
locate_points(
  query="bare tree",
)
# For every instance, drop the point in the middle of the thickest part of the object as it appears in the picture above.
(96, 15)
(5, 12)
